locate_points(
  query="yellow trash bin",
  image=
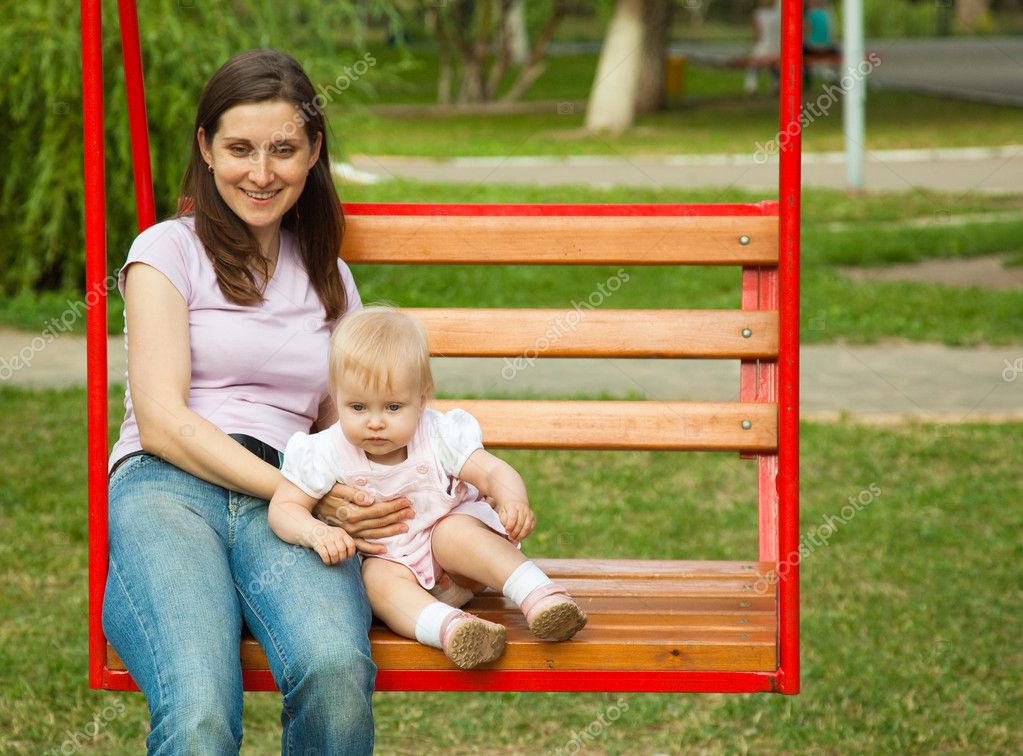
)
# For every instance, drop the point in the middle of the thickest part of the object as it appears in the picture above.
(675, 76)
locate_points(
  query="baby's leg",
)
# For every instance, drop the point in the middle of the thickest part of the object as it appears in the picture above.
(465, 546)
(395, 594)
(409, 610)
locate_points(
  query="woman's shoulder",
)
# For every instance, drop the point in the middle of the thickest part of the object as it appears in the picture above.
(172, 247)
(173, 234)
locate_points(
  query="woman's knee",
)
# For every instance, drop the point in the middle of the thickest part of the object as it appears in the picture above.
(335, 668)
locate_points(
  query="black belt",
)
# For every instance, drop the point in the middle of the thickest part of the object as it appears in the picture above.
(261, 449)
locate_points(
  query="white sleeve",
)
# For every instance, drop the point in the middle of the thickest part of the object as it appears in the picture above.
(454, 436)
(310, 462)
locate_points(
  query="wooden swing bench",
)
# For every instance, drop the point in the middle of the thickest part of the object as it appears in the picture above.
(684, 624)
(654, 625)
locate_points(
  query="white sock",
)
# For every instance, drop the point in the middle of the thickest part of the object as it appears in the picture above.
(429, 622)
(526, 579)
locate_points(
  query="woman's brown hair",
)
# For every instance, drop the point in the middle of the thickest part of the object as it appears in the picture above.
(316, 219)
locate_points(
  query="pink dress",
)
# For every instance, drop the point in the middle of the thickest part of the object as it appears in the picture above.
(428, 478)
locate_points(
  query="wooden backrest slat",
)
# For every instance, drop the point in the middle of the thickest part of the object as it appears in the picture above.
(586, 332)
(622, 425)
(561, 240)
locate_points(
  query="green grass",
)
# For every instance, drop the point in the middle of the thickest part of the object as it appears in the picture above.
(838, 230)
(908, 616)
(713, 116)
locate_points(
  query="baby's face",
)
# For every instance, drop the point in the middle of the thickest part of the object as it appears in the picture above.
(380, 421)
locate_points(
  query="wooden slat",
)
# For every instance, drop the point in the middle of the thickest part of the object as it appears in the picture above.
(587, 332)
(622, 425)
(656, 615)
(652, 568)
(566, 240)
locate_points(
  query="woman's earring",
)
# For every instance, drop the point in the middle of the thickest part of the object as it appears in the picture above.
(210, 166)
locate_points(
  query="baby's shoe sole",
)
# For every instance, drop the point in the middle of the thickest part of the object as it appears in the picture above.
(475, 641)
(558, 622)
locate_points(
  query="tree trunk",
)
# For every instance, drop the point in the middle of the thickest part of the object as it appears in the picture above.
(612, 104)
(969, 12)
(518, 35)
(657, 21)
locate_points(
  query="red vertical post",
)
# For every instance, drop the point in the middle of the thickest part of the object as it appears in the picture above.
(136, 95)
(790, 105)
(96, 328)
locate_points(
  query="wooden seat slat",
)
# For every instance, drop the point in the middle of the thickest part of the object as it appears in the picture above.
(652, 568)
(665, 626)
(561, 240)
(696, 426)
(659, 605)
(656, 624)
(600, 333)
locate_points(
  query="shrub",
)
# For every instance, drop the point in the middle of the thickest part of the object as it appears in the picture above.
(183, 43)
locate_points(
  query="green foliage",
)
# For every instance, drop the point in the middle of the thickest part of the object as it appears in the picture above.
(183, 43)
(900, 18)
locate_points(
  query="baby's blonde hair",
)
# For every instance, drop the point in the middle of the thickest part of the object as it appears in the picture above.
(376, 344)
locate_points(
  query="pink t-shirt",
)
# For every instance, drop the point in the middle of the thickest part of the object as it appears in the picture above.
(258, 370)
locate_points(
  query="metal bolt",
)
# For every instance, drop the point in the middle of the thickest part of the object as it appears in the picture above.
(744, 240)
(746, 425)
(747, 332)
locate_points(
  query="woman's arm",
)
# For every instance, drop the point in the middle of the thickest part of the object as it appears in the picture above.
(159, 376)
(500, 481)
(291, 519)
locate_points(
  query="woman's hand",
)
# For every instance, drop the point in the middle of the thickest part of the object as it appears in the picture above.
(356, 512)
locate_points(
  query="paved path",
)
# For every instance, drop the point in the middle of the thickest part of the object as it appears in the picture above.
(878, 383)
(996, 169)
(983, 69)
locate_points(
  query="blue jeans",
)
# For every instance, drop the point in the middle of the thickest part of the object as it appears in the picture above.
(189, 561)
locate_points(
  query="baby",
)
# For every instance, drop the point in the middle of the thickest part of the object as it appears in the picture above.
(388, 444)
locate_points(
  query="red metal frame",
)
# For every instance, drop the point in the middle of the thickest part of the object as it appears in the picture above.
(763, 288)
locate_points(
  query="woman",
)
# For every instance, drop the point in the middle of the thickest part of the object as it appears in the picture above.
(228, 312)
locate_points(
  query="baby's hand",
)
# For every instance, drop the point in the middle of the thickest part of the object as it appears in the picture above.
(333, 545)
(518, 519)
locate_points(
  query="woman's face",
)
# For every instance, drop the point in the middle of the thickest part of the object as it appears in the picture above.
(261, 157)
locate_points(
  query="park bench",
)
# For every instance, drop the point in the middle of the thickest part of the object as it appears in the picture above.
(660, 625)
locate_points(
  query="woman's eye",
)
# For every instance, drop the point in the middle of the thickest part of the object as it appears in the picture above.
(284, 151)
(239, 150)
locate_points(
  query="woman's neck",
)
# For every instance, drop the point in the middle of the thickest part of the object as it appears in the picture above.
(270, 246)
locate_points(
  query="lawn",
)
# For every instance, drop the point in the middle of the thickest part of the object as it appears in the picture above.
(909, 614)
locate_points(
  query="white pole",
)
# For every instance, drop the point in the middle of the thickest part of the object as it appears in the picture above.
(853, 119)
